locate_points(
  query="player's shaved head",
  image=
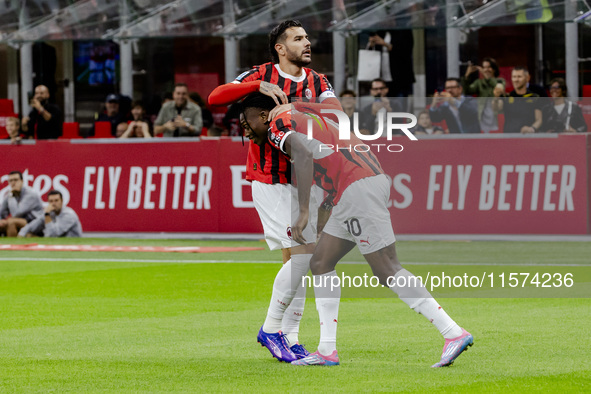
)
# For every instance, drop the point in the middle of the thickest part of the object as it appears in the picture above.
(278, 35)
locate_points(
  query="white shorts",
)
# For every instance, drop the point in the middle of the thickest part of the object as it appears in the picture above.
(362, 216)
(277, 206)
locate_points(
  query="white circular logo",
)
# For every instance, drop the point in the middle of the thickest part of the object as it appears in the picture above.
(308, 93)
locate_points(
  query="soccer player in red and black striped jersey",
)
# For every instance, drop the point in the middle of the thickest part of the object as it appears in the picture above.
(354, 178)
(286, 78)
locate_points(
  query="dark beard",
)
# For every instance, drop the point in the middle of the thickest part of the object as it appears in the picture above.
(297, 60)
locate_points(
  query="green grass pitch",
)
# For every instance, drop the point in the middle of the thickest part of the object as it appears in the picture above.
(174, 322)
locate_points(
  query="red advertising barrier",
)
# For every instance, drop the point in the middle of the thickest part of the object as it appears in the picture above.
(504, 185)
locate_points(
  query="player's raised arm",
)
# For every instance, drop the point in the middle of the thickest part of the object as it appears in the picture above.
(231, 92)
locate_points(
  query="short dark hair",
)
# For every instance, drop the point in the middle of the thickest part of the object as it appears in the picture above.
(180, 85)
(196, 97)
(561, 82)
(493, 65)
(379, 80)
(278, 34)
(20, 174)
(520, 68)
(55, 193)
(257, 100)
(455, 80)
(348, 92)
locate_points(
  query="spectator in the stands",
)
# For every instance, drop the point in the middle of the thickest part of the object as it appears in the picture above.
(425, 125)
(522, 107)
(348, 100)
(206, 115)
(459, 112)
(13, 126)
(113, 115)
(396, 66)
(21, 206)
(57, 221)
(374, 115)
(45, 119)
(180, 117)
(139, 127)
(484, 88)
(562, 115)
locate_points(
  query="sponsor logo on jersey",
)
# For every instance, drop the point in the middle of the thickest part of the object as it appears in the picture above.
(241, 76)
(276, 138)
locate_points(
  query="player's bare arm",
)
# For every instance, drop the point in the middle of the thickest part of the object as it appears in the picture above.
(303, 162)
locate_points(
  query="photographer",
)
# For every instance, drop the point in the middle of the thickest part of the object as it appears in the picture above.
(45, 119)
(139, 127)
(57, 221)
(381, 105)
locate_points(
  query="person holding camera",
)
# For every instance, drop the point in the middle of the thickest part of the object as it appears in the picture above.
(57, 220)
(138, 127)
(376, 112)
(459, 112)
(45, 119)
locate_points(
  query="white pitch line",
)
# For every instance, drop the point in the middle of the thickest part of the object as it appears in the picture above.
(277, 262)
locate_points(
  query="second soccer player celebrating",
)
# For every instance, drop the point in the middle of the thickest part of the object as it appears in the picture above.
(275, 199)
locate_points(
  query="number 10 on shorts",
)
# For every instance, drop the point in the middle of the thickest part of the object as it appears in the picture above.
(353, 227)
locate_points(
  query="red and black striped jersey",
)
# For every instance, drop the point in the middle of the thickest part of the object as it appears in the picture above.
(337, 163)
(265, 164)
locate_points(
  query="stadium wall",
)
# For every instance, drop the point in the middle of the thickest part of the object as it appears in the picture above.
(480, 185)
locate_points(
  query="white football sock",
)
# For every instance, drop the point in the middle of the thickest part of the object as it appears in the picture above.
(328, 298)
(411, 290)
(285, 286)
(290, 324)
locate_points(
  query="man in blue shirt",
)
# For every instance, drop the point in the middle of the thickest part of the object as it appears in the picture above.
(459, 112)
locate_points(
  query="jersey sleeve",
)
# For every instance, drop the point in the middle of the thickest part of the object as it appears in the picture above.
(254, 74)
(279, 129)
(244, 84)
(326, 89)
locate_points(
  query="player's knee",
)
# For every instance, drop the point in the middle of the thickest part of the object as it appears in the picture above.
(320, 266)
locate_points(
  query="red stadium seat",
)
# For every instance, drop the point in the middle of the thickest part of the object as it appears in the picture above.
(102, 130)
(6, 107)
(70, 130)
